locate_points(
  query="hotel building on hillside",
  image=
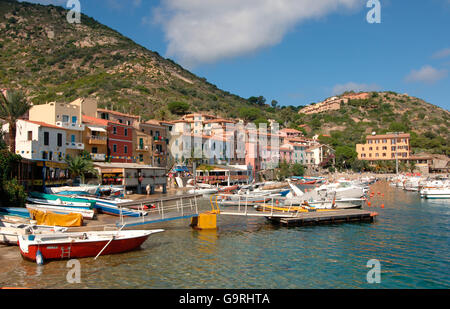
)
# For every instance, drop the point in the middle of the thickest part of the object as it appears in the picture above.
(385, 147)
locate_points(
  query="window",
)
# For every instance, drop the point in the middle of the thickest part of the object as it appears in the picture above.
(141, 158)
(114, 130)
(46, 138)
(125, 149)
(65, 118)
(74, 119)
(126, 132)
(72, 138)
(50, 157)
(30, 135)
(120, 121)
(114, 148)
(44, 155)
(129, 122)
(94, 150)
(59, 139)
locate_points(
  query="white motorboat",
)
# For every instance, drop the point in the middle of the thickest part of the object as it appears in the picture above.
(442, 193)
(9, 232)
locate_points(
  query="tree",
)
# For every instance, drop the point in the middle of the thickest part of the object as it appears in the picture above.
(249, 113)
(345, 156)
(274, 103)
(178, 108)
(11, 192)
(80, 167)
(412, 166)
(13, 106)
(298, 169)
(257, 100)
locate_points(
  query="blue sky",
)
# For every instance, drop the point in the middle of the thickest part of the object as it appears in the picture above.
(294, 51)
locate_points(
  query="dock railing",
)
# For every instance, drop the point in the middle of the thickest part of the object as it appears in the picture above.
(162, 209)
(252, 205)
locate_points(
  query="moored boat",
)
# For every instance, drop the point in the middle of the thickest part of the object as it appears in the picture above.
(15, 211)
(9, 232)
(81, 245)
(86, 213)
(59, 202)
(62, 198)
(442, 193)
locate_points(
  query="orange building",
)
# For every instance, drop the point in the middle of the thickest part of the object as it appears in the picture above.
(385, 147)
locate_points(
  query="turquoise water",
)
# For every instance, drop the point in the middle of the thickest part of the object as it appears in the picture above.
(410, 238)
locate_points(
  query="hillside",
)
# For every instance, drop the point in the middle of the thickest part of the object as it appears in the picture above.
(383, 112)
(50, 59)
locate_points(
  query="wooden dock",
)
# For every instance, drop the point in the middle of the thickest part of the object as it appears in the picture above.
(328, 217)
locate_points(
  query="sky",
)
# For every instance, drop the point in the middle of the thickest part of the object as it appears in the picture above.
(294, 51)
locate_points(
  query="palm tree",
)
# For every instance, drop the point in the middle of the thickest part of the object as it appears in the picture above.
(80, 167)
(13, 106)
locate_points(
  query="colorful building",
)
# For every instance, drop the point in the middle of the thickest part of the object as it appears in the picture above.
(96, 138)
(385, 147)
(66, 116)
(37, 140)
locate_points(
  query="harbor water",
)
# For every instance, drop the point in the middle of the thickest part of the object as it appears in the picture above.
(410, 238)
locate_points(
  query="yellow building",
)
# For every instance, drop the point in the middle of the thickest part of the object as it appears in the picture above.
(66, 116)
(385, 147)
(142, 144)
(96, 138)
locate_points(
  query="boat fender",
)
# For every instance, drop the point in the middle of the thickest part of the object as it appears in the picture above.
(39, 258)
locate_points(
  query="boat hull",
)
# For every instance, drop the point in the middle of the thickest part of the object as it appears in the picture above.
(60, 251)
(82, 245)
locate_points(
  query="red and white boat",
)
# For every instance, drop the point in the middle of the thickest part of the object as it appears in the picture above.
(80, 244)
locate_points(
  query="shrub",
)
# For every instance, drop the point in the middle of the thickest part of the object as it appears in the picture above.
(178, 108)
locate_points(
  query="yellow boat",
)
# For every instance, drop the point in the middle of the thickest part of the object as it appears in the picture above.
(306, 208)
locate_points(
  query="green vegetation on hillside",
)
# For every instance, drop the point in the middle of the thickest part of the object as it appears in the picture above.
(49, 59)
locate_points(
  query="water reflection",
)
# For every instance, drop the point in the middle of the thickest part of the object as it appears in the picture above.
(410, 238)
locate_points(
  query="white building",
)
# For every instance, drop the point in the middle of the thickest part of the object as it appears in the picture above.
(39, 141)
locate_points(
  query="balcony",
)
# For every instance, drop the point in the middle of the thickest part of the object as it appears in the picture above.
(97, 140)
(159, 154)
(75, 145)
(142, 148)
(159, 140)
(71, 125)
(98, 157)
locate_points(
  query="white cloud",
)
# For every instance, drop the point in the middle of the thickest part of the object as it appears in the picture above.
(427, 74)
(202, 31)
(443, 53)
(351, 86)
